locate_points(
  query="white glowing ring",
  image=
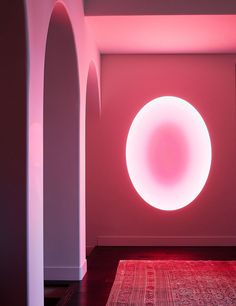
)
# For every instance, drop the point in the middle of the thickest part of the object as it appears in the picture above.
(168, 153)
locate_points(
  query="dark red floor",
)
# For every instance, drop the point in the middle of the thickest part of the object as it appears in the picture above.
(102, 263)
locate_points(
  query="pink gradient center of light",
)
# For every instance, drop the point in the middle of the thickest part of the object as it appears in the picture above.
(168, 153)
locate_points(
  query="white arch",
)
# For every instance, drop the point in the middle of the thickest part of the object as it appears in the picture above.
(38, 17)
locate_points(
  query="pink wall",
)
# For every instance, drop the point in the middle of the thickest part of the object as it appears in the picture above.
(116, 215)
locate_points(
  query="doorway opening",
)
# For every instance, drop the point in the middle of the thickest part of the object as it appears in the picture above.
(61, 151)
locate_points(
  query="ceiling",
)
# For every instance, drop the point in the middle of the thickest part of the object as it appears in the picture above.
(158, 7)
(163, 26)
(164, 34)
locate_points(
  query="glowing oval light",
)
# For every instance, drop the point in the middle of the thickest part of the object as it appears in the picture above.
(168, 153)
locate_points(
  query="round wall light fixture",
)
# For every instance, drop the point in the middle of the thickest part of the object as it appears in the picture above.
(168, 153)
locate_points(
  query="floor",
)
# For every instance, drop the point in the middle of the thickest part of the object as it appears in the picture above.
(102, 263)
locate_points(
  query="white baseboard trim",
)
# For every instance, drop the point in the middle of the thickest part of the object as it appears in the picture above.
(166, 240)
(65, 273)
(83, 270)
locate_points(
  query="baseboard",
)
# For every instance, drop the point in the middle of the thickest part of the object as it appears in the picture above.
(65, 273)
(166, 240)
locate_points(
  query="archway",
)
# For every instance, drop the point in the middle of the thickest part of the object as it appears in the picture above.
(93, 112)
(93, 105)
(61, 151)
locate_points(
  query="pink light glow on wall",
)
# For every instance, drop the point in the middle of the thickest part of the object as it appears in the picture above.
(168, 153)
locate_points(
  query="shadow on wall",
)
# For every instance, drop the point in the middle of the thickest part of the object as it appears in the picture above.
(13, 79)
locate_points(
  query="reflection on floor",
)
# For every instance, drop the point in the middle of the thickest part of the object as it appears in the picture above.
(58, 293)
(94, 289)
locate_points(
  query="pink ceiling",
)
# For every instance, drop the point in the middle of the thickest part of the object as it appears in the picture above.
(164, 33)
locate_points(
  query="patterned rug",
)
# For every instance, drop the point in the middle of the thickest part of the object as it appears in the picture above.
(172, 282)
